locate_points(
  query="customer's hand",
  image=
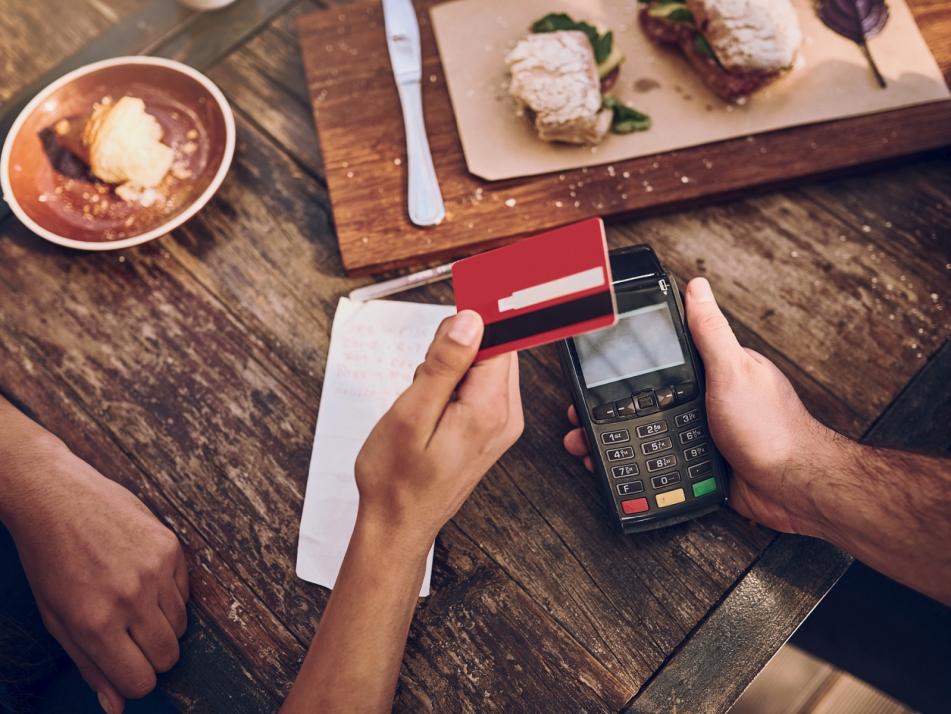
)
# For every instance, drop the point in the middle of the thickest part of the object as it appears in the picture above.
(441, 435)
(108, 577)
(756, 420)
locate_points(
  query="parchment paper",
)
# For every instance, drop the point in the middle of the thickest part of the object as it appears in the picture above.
(831, 80)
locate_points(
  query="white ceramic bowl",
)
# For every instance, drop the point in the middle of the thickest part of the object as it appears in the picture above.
(50, 191)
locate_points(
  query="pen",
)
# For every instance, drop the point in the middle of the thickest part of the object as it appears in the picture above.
(404, 282)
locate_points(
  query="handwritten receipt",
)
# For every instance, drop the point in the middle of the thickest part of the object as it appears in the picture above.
(374, 349)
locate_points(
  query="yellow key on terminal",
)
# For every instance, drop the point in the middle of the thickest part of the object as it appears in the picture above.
(670, 498)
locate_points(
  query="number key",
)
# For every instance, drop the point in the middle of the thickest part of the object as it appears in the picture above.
(687, 417)
(625, 471)
(661, 462)
(695, 452)
(615, 437)
(692, 435)
(652, 447)
(625, 452)
(665, 479)
(653, 429)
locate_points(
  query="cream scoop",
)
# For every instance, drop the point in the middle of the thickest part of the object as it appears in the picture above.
(124, 144)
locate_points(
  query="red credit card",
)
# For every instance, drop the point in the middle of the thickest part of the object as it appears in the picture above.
(549, 287)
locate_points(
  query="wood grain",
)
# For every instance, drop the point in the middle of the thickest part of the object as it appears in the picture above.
(132, 34)
(190, 369)
(356, 109)
(916, 420)
(712, 670)
(154, 368)
(64, 27)
(24, 374)
(851, 273)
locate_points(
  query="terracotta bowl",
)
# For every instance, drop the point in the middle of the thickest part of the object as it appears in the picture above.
(52, 192)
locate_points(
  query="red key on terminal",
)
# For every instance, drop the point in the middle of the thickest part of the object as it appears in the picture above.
(634, 505)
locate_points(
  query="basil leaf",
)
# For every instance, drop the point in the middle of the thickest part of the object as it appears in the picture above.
(555, 21)
(704, 47)
(681, 15)
(591, 31)
(625, 120)
(602, 47)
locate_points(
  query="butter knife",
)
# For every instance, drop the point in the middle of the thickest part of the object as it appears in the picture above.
(424, 199)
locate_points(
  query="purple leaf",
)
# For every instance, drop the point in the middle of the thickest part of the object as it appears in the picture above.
(857, 20)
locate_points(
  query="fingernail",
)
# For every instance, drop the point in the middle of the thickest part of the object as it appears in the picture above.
(105, 703)
(702, 290)
(465, 328)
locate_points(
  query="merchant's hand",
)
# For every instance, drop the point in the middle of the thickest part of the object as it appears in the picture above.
(432, 447)
(756, 419)
(108, 577)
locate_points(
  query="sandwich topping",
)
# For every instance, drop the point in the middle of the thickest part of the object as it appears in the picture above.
(736, 46)
(554, 77)
(749, 35)
(558, 75)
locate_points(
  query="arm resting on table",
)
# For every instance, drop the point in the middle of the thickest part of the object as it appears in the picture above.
(354, 660)
(890, 509)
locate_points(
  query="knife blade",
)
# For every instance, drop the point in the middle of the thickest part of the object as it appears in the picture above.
(424, 199)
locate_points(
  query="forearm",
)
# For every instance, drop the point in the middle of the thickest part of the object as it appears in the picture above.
(890, 509)
(23, 445)
(354, 661)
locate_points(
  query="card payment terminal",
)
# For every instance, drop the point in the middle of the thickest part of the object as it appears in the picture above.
(638, 389)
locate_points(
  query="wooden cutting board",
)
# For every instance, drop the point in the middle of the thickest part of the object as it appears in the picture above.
(356, 109)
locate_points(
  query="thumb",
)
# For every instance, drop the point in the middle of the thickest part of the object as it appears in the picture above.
(715, 341)
(448, 359)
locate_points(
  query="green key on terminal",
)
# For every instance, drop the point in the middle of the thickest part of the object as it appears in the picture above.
(704, 487)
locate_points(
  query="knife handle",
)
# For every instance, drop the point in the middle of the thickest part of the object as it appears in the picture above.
(426, 207)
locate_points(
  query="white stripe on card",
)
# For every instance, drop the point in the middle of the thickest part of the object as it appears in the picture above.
(560, 287)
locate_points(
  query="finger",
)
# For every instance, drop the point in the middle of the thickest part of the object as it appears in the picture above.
(109, 699)
(449, 357)
(516, 417)
(711, 332)
(588, 463)
(576, 443)
(156, 638)
(173, 607)
(486, 386)
(573, 415)
(124, 664)
(181, 575)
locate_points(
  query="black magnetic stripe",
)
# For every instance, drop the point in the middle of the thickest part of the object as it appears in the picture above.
(548, 318)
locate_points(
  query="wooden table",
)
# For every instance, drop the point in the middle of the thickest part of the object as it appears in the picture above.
(190, 368)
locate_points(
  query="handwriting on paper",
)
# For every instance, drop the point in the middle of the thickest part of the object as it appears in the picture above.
(375, 348)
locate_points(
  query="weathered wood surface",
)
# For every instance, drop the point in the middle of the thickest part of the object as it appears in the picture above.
(61, 29)
(190, 369)
(358, 118)
(768, 598)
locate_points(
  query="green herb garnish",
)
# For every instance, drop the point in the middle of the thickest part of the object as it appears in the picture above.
(704, 47)
(602, 47)
(555, 21)
(672, 11)
(681, 14)
(625, 120)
